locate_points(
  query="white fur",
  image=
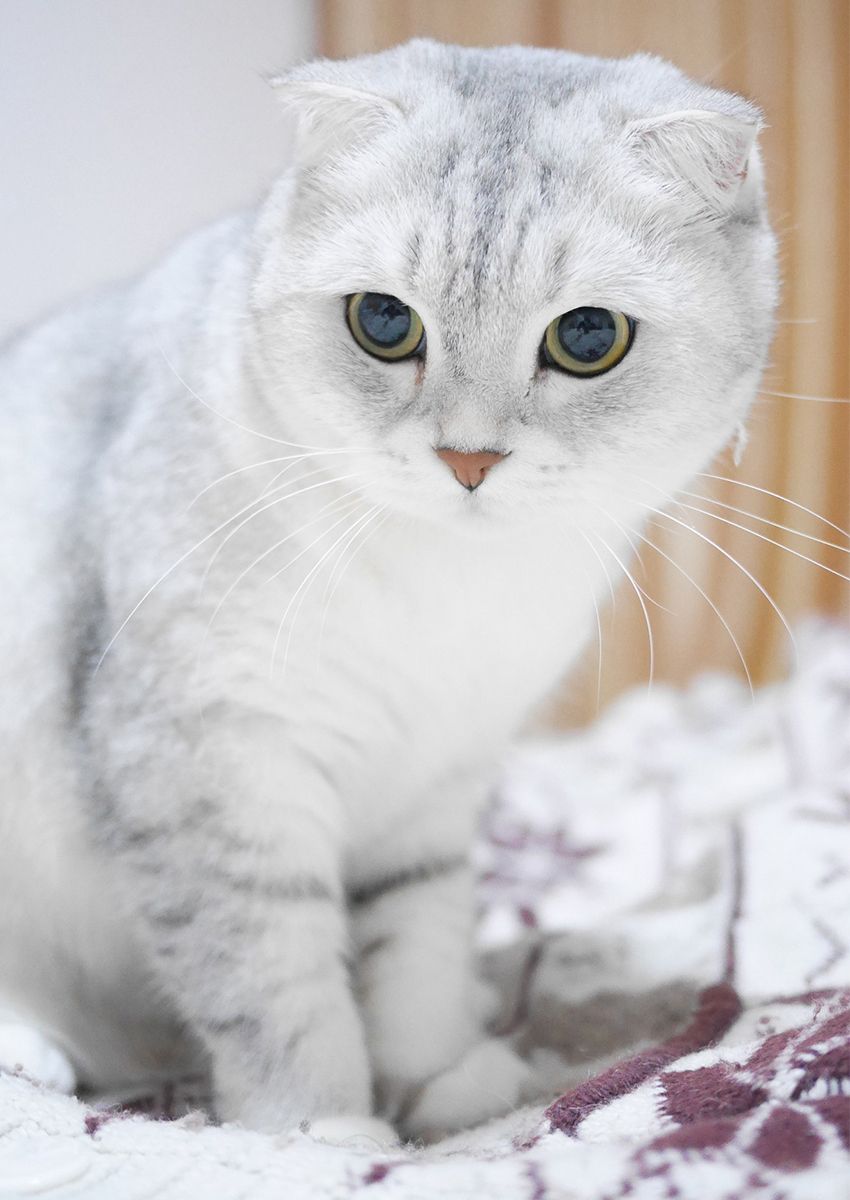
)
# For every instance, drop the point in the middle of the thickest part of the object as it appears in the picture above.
(28, 1051)
(355, 1133)
(156, 810)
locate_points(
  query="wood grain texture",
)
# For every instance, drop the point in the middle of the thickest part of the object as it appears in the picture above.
(793, 58)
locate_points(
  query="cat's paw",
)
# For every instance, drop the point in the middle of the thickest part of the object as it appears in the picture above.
(23, 1049)
(355, 1133)
(487, 1082)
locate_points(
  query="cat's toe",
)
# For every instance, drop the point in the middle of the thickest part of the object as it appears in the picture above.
(487, 1082)
(355, 1133)
(28, 1051)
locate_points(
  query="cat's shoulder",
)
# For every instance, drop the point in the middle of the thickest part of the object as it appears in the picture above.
(92, 327)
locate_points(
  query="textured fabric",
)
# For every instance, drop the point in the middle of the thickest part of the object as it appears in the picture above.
(666, 914)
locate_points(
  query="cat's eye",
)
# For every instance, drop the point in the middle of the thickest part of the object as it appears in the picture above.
(587, 341)
(384, 326)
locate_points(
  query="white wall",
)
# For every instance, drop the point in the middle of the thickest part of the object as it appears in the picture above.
(124, 123)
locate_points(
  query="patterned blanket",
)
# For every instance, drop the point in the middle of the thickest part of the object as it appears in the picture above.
(666, 915)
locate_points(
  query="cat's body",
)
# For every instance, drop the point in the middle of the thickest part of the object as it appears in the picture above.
(269, 783)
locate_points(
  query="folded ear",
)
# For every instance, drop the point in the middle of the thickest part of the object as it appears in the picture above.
(332, 118)
(709, 152)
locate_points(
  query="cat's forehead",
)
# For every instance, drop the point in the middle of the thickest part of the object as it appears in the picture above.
(475, 181)
(473, 216)
(485, 195)
(481, 236)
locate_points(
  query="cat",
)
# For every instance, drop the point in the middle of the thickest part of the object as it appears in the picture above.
(299, 529)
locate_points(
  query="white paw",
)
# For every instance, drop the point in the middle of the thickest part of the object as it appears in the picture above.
(486, 1083)
(24, 1049)
(355, 1133)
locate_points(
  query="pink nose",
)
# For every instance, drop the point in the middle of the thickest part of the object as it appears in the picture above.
(470, 469)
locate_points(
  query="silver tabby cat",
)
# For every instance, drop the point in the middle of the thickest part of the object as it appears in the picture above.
(300, 527)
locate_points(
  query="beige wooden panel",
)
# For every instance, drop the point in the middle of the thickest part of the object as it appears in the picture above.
(793, 58)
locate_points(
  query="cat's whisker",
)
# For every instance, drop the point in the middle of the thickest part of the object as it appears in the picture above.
(626, 535)
(632, 545)
(804, 396)
(324, 513)
(678, 567)
(304, 583)
(599, 654)
(731, 558)
(274, 482)
(764, 538)
(166, 575)
(611, 589)
(335, 577)
(726, 554)
(752, 487)
(598, 626)
(341, 567)
(743, 512)
(238, 471)
(224, 416)
(272, 485)
(266, 462)
(281, 570)
(258, 508)
(308, 583)
(642, 603)
(711, 77)
(178, 563)
(265, 507)
(347, 500)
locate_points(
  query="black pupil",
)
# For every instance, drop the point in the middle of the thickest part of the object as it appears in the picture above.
(587, 334)
(384, 320)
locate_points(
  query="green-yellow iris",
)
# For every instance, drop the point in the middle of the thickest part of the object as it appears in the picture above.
(588, 341)
(384, 326)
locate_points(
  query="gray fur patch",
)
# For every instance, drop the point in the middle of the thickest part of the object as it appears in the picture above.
(242, 1024)
(295, 889)
(419, 873)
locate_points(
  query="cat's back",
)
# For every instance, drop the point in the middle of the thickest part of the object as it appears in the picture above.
(53, 399)
(52, 395)
(69, 388)
(72, 391)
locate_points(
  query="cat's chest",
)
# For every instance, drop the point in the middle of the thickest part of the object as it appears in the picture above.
(412, 670)
(444, 666)
(452, 643)
(424, 655)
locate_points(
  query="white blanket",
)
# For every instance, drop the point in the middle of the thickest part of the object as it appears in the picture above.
(666, 911)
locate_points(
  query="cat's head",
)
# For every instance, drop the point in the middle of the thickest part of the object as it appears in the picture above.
(562, 263)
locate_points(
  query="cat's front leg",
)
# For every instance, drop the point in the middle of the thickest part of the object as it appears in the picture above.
(436, 1070)
(239, 890)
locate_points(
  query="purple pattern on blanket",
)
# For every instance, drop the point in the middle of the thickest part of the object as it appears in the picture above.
(718, 1008)
(754, 1111)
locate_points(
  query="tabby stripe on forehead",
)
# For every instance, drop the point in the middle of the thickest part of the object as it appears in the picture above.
(424, 872)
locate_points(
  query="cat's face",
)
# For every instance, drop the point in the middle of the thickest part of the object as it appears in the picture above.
(508, 190)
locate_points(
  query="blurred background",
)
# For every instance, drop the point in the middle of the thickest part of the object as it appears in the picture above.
(126, 124)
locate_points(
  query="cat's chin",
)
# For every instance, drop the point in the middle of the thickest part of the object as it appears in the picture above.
(486, 511)
(469, 516)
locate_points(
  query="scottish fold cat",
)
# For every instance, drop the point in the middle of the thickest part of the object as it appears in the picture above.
(299, 528)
